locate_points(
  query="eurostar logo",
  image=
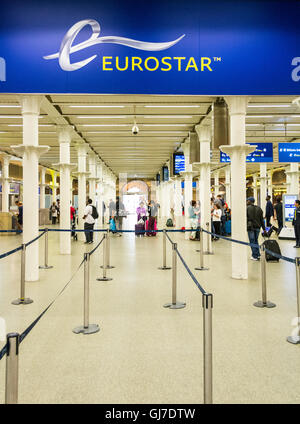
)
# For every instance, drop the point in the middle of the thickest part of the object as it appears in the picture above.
(67, 47)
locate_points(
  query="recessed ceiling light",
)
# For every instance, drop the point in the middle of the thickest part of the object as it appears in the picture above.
(260, 116)
(92, 106)
(270, 105)
(101, 116)
(10, 105)
(166, 116)
(172, 106)
(166, 125)
(105, 125)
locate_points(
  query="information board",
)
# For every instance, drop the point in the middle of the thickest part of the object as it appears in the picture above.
(289, 206)
(288, 152)
(262, 153)
(179, 163)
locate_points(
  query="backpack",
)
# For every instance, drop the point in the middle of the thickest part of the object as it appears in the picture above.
(169, 223)
(94, 213)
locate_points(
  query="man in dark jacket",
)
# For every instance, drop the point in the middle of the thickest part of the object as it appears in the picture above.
(269, 210)
(296, 223)
(255, 222)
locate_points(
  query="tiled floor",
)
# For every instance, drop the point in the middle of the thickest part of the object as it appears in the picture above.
(143, 352)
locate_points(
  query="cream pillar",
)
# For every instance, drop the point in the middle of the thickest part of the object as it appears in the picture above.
(293, 174)
(188, 185)
(238, 151)
(42, 188)
(5, 183)
(216, 183)
(92, 177)
(54, 187)
(263, 186)
(99, 192)
(255, 188)
(204, 135)
(31, 151)
(178, 202)
(64, 138)
(82, 175)
(228, 185)
(270, 184)
(288, 180)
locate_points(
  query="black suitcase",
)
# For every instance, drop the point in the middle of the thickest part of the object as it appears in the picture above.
(139, 229)
(272, 246)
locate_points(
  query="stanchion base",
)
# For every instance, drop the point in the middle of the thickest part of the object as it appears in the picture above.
(92, 328)
(293, 339)
(164, 267)
(45, 266)
(104, 279)
(202, 269)
(177, 305)
(208, 253)
(108, 267)
(261, 304)
(25, 301)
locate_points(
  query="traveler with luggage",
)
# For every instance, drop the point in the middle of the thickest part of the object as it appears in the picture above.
(90, 215)
(296, 223)
(278, 213)
(255, 222)
(120, 214)
(141, 212)
(192, 214)
(216, 217)
(269, 211)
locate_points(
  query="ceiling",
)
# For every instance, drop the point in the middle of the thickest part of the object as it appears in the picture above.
(104, 122)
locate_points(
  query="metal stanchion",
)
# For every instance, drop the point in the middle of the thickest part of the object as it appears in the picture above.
(108, 266)
(208, 252)
(202, 267)
(86, 328)
(12, 368)
(175, 304)
(104, 277)
(164, 251)
(295, 338)
(207, 303)
(264, 303)
(46, 266)
(22, 299)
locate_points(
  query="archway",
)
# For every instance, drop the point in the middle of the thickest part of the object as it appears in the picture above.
(133, 193)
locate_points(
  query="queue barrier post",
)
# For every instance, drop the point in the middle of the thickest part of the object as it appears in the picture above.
(207, 304)
(104, 267)
(46, 266)
(174, 304)
(295, 338)
(12, 368)
(209, 250)
(22, 299)
(164, 266)
(87, 328)
(108, 266)
(202, 267)
(264, 303)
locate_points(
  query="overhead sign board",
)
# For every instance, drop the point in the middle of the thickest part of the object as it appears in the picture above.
(159, 47)
(262, 153)
(288, 152)
(179, 163)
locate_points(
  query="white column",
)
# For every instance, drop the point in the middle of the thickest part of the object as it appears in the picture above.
(54, 187)
(82, 175)
(64, 138)
(293, 174)
(237, 152)
(30, 150)
(42, 188)
(5, 183)
(92, 177)
(204, 135)
(188, 196)
(270, 184)
(178, 202)
(288, 181)
(99, 192)
(216, 183)
(263, 186)
(228, 185)
(71, 189)
(255, 188)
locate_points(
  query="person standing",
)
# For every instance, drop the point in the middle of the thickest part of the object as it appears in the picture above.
(193, 218)
(278, 213)
(89, 222)
(269, 211)
(255, 221)
(120, 214)
(54, 212)
(296, 222)
(112, 208)
(20, 215)
(216, 217)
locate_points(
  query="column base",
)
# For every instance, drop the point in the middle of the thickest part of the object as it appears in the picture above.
(202, 269)
(177, 305)
(104, 279)
(108, 266)
(91, 329)
(45, 266)
(163, 268)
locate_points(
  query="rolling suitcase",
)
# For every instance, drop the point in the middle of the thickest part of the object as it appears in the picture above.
(272, 246)
(139, 229)
(228, 228)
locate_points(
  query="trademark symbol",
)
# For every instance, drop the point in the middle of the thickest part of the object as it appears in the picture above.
(217, 59)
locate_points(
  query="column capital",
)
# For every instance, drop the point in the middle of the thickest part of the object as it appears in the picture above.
(203, 132)
(81, 173)
(237, 105)
(63, 165)
(81, 149)
(188, 174)
(64, 133)
(22, 149)
(245, 148)
(201, 165)
(292, 172)
(30, 104)
(6, 157)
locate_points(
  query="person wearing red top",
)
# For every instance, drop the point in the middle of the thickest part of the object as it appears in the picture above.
(72, 213)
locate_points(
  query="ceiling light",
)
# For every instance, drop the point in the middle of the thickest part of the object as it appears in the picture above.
(171, 106)
(10, 106)
(166, 116)
(260, 116)
(83, 106)
(101, 116)
(270, 105)
(166, 125)
(105, 125)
